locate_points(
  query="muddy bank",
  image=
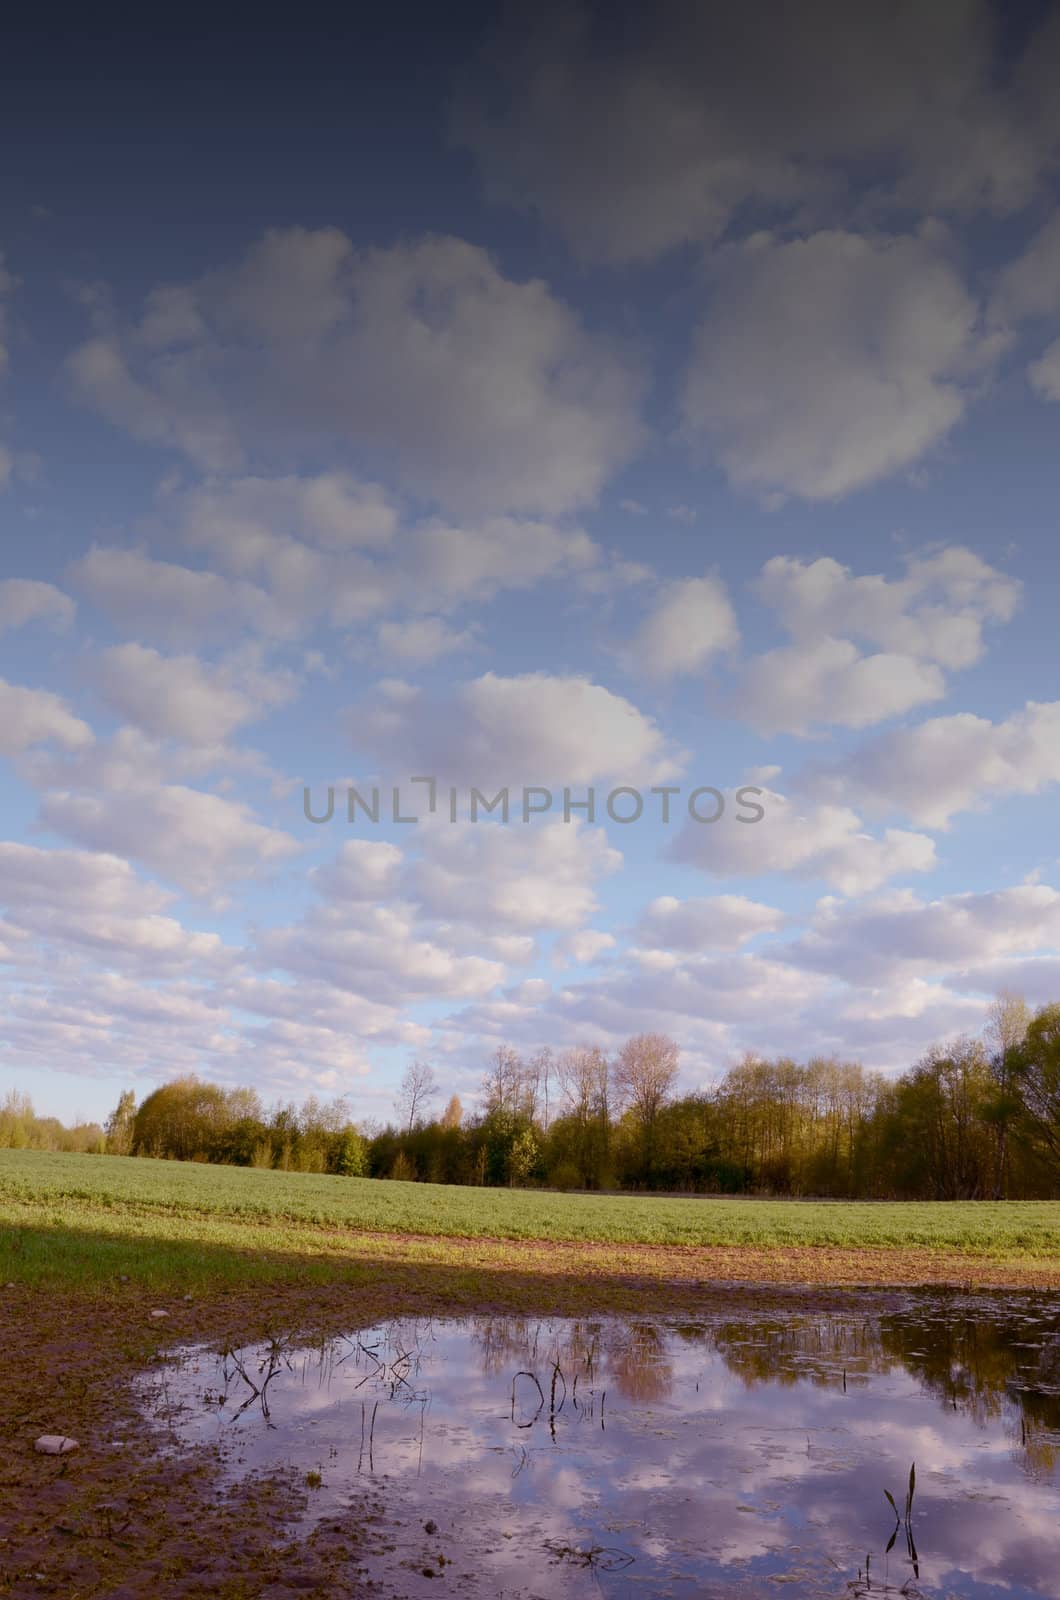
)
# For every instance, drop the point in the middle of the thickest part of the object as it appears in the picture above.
(121, 1517)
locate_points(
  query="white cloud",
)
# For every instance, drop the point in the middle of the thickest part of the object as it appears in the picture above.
(526, 879)
(888, 938)
(829, 362)
(951, 764)
(936, 610)
(170, 600)
(197, 840)
(179, 697)
(790, 689)
(583, 947)
(691, 621)
(33, 716)
(807, 840)
(484, 394)
(930, 618)
(713, 922)
(24, 600)
(418, 641)
(531, 729)
(638, 141)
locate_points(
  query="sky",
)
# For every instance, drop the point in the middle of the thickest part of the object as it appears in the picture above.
(556, 401)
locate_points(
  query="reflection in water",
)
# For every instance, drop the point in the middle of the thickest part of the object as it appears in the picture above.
(561, 1457)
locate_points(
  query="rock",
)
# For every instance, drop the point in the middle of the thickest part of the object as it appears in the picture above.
(158, 1315)
(430, 1527)
(55, 1444)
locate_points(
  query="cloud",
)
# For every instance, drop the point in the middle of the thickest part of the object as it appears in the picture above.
(692, 620)
(178, 697)
(947, 765)
(827, 363)
(808, 840)
(1028, 290)
(481, 393)
(33, 716)
(930, 618)
(419, 641)
(529, 729)
(790, 689)
(25, 600)
(713, 922)
(935, 611)
(94, 904)
(196, 840)
(524, 879)
(888, 938)
(286, 552)
(632, 142)
(170, 600)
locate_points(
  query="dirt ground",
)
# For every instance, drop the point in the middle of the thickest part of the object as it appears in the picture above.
(123, 1518)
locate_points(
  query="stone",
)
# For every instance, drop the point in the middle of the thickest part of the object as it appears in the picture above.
(159, 1314)
(55, 1444)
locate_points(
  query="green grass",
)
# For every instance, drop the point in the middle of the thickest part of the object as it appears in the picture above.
(116, 1195)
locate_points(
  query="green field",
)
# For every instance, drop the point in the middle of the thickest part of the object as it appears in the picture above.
(90, 1215)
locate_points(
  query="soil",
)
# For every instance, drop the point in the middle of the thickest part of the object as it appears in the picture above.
(124, 1517)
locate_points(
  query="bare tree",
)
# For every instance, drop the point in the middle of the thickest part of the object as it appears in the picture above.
(417, 1087)
(505, 1086)
(644, 1074)
(584, 1075)
(1007, 1022)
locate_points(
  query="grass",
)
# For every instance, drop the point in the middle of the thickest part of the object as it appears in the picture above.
(75, 1218)
(66, 1185)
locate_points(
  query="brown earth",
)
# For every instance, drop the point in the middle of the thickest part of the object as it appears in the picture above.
(122, 1517)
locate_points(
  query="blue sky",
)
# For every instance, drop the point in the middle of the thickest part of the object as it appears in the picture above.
(564, 398)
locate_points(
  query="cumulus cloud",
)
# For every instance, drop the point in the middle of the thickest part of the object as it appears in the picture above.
(482, 393)
(25, 600)
(691, 621)
(523, 879)
(888, 937)
(930, 618)
(197, 840)
(529, 729)
(936, 610)
(951, 764)
(789, 689)
(170, 600)
(634, 141)
(180, 697)
(808, 840)
(1028, 290)
(95, 904)
(419, 641)
(826, 363)
(284, 553)
(34, 716)
(712, 922)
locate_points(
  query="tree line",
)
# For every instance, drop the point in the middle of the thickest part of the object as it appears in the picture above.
(979, 1119)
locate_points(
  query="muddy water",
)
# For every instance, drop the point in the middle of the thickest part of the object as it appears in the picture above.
(729, 1456)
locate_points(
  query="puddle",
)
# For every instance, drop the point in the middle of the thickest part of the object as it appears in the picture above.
(726, 1456)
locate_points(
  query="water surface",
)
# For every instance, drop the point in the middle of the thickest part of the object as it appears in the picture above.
(735, 1455)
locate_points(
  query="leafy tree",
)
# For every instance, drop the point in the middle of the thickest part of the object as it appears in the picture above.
(120, 1125)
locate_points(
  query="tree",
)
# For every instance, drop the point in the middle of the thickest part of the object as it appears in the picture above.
(644, 1074)
(1006, 1029)
(417, 1087)
(453, 1115)
(119, 1125)
(1039, 1080)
